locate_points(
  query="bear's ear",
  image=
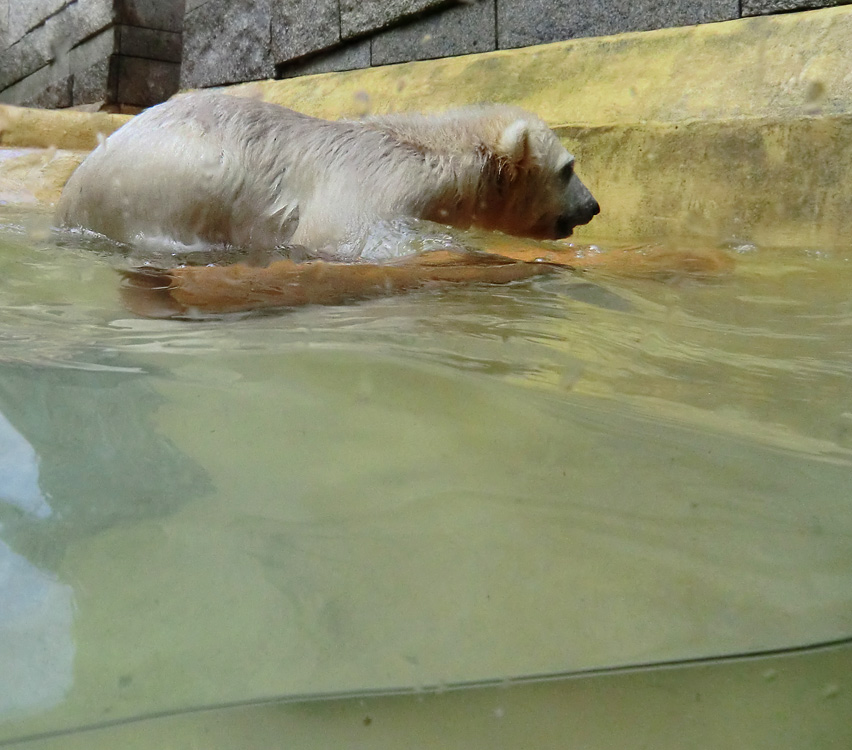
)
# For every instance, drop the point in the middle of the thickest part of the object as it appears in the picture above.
(514, 143)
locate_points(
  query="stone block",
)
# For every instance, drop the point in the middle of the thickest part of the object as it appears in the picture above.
(23, 58)
(143, 83)
(765, 7)
(363, 16)
(302, 27)
(79, 21)
(53, 40)
(227, 42)
(98, 48)
(349, 57)
(28, 88)
(24, 15)
(53, 96)
(458, 30)
(191, 5)
(5, 38)
(93, 50)
(526, 22)
(166, 15)
(154, 44)
(95, 84)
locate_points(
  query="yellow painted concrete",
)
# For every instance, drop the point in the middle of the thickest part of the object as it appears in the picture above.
(35, 176)
(21, 127)
(731, 132)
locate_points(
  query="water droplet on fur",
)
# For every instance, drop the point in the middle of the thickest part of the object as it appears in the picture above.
(743, 248)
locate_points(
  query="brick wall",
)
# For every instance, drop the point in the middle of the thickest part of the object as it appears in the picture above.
(59, 53)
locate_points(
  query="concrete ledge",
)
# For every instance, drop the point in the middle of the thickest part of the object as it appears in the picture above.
(21, 127)
(34, 177)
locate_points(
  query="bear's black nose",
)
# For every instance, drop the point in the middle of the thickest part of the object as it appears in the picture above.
(583, 215)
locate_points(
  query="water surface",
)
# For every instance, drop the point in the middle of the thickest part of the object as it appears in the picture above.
(449, 486)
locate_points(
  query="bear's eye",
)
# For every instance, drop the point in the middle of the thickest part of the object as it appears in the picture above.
(566, 172)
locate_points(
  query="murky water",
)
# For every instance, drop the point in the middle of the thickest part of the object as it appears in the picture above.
(473, 484)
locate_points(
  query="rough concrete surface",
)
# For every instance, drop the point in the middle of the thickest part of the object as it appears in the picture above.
(54, 39)
(459, 30)
(525, 22)
(349, 57)
(94, 83)
(226, 41)
(362, 16)
(166, 15)
(760, 7)
(143, 82)
(26, 15)
(153, 44)
(301, 27)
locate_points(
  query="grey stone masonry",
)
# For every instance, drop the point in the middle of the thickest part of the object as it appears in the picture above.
(227, 41)
(165, 15)
(60, 53)
(363, 16)
(525, 22)
(459, 30)
(301, 27)
(151, 44)
(52, 40)
(24, 15)
(349, 57)
(138, 52)
(765, 7)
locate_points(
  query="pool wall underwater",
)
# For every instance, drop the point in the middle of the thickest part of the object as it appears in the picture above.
(730, 133)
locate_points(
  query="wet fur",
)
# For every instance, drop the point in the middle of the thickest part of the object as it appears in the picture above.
(229, 171)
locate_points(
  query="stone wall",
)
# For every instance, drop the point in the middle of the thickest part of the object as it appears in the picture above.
(60, 53)
(230, 41)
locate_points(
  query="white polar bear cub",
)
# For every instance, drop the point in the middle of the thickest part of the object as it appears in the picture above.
(216, 169)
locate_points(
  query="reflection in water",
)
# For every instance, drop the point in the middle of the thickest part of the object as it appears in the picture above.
(100, 460)
(36, 645)
(19, 472)
(91, 449)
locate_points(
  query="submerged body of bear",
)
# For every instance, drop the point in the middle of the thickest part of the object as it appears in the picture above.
(213, 169)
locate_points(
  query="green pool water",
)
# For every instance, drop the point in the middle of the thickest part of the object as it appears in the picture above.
(461, 486)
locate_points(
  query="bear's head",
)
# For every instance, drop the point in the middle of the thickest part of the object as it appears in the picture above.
(491, 166)
(529, 187)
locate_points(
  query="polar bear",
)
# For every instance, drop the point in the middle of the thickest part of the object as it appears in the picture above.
(210, 169)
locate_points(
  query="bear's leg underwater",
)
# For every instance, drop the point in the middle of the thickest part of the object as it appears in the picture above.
(189, 291)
